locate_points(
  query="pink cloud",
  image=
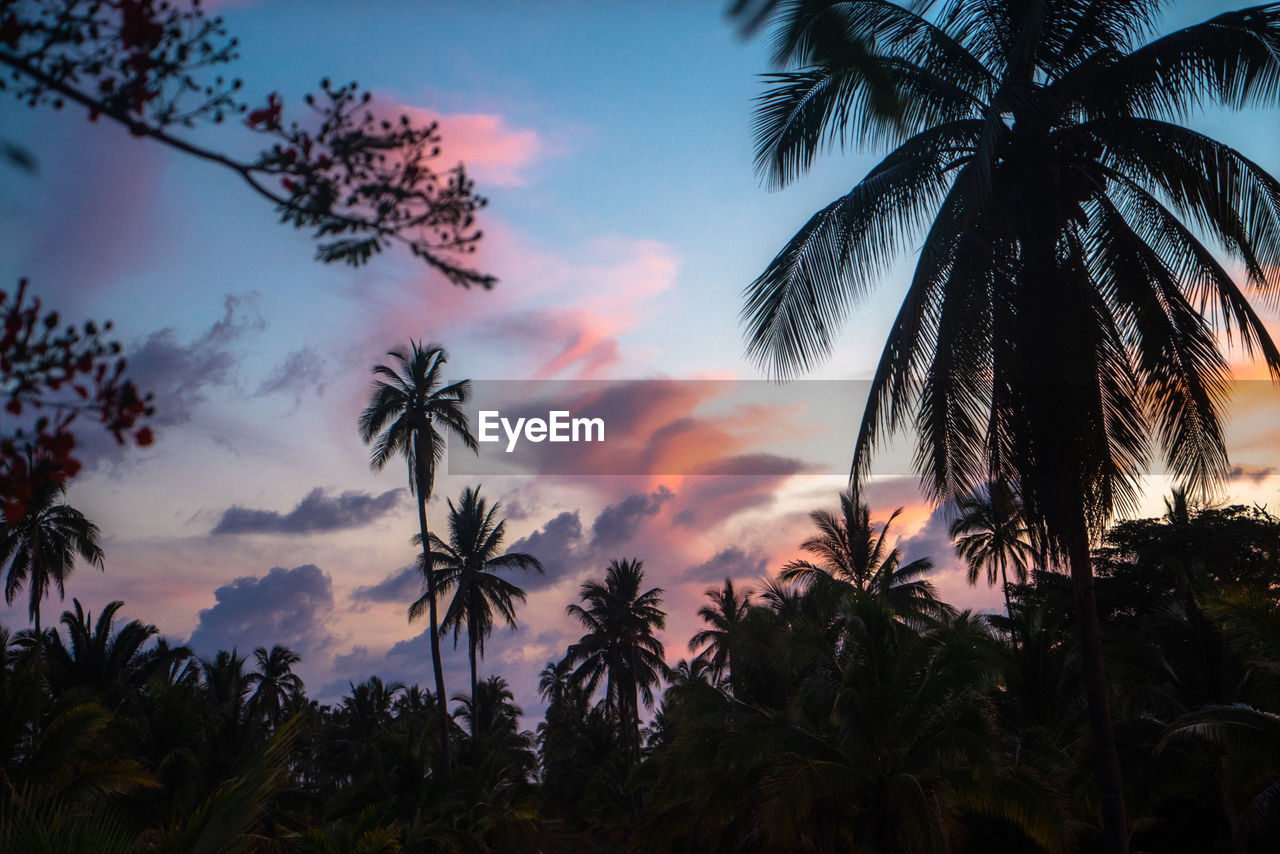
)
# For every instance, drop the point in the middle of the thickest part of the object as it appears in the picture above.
(495, 153)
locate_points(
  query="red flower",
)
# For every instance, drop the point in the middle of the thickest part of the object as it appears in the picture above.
(140, 29)
(267, 117)
(144, 436)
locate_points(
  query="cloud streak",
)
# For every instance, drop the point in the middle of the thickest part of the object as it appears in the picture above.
(318, 512)
(181, 374)
(301, 373)
(402, 585)
(732, 562)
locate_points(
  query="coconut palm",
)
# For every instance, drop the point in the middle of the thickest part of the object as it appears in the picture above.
(1064, 303)
(411, 413)
(41, 547)
(468, 564)
(275, 683)
(108, 661)
(619, 647)
(873, 746)
(990, 533)
(848, 550)
(723, 614)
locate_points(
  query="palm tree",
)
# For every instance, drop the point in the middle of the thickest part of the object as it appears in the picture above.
(492, 709)
(1053, 323)
(410, 414)
(276, 683)
(723, 616)
(468, 563)
(990, 533)
(555, 682)
(849, 551)
(97, 656)
(370, 706)
(619, 646)
(41, 547)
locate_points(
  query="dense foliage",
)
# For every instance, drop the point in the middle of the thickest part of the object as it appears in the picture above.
(833, 712)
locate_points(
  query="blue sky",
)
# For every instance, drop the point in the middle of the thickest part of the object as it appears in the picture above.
(614, 143)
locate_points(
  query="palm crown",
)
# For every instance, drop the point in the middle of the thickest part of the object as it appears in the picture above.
(848, 550)
(723, 616)
(619, 646)
(1066, 303)
(991, 534)
(41, 547)
(1055, 310)
(468, 564)
(412, 411)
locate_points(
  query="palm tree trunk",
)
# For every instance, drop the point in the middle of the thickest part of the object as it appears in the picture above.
(1008, 609)
(442, 708)
(471, 649)
(634, 723)
(1106, 758)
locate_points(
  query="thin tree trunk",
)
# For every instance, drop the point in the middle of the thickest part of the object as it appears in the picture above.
(437, 666)
(1106, 758)
(1008, 609)
(471, 649)
(635, 710)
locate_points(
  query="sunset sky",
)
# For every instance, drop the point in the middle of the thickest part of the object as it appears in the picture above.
(614, 143)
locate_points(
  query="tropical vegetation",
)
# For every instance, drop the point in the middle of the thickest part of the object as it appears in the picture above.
(1069, 302)
(1067, 313)
(819, 715)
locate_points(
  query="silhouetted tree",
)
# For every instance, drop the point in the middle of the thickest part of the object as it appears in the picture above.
(990, 533)
(42, 545)
(410, 414)
(722, 615)
(619, 647)
(275, 683)
(849, 551)
(468, 564)
(1053, 322)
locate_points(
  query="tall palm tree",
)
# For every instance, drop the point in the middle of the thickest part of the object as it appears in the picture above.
(848, 549)
(990, 533)
(275, 682)
(411, 413)
(619, 646)
(41, 548)
(468, 564)
(1063, 307)
(723, 615)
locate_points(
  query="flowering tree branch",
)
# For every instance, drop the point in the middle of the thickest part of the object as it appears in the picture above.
(359, 182)
(50, 376)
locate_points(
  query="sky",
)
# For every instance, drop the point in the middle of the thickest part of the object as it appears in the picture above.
(613, 141)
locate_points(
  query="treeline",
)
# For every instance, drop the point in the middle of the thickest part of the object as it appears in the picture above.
(839, 706)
